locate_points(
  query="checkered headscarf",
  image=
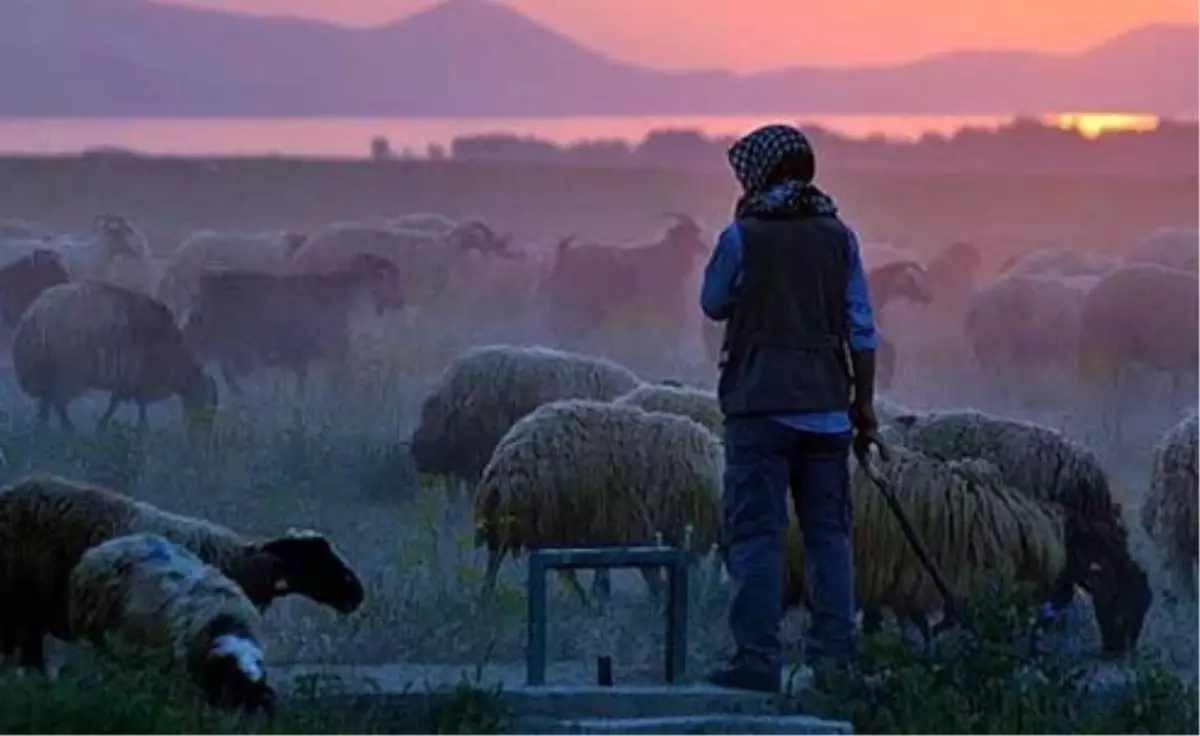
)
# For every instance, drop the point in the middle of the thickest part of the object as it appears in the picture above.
(755, 157)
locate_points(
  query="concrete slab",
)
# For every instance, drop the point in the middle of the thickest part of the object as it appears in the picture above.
(706, 724)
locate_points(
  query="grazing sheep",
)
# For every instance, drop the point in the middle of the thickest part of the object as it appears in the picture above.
(210, 250)
(1168, 512)
(1023, 321)
(1171, 247)
(47, 523)
(24, 279)
(696, 404)
(587, 284)
(245, 320)
(976, 529)
(1036, 460)
(143, 597)
(582, 473)
(1059, 262)
(80, 336)
(1145, 316)
(486, 389)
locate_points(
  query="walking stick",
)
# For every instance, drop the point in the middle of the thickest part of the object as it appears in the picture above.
(862, 450)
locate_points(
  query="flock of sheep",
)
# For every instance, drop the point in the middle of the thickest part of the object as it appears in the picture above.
(557, 446)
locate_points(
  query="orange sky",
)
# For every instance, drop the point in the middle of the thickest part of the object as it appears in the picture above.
(746, 34)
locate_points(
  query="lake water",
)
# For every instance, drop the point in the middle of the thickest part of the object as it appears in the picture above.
(351, 136)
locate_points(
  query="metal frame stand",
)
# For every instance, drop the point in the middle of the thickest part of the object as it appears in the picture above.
(671, 558)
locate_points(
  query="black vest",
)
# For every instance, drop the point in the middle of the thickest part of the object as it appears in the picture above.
(785, 345)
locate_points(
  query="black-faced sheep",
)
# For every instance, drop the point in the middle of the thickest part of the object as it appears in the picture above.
(47, 523)
(696, 404)
(144, 599)
(89, 335)
(486, 389)
(582, 473)
(1168, 512)
(977, 530)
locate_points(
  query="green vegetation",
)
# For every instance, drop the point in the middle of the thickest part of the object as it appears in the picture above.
(994, 677)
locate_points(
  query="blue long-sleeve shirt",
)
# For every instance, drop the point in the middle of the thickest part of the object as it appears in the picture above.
(723, 277)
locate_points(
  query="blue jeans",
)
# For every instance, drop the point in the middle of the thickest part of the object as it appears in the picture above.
(763, 457)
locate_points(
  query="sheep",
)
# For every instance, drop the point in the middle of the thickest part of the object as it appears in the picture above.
(1171, 247)
(115, 252)
(974, 527)
(1058, 262)
(425, 259)
(212, 250)
(1022, 321)
(696, 404)
(587, 284)
(1034, 459)
(1141, 315)
(48, 522)
(245, 320)
(486, 389)
(90, 335)
(581, 472)
(145, 598)
(24, 279)
(1168, 512)
(876, 255)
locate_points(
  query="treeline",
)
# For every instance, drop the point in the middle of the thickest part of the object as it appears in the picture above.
(1023, 146)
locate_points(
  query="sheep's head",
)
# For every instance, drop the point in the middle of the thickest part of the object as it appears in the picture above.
(305, 562)
(232, 675)
(1099, 562)
(912, 284)
(381, 278)
(117, 234)
(477, 236)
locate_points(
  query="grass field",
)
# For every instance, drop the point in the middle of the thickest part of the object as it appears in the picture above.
(336, 459)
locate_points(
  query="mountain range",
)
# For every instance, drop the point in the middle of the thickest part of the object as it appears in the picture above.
(93, 58)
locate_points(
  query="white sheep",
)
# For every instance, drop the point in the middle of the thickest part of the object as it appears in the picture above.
(1020, 321)
(1172, 247)
(430, 222)
(1168, 513)
(696, 404)
(89, 335)
(141, 597)
(582, 473)
(486, 389)
(1059, 262)
(114, 251)
(1139, 316)
(47, 523)
(215, 250)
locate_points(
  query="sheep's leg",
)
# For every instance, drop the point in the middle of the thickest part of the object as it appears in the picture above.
(64, 419)
(601, 587)
(114, 403)
(234, 387)
(489, 578)
(143, 423)
(301, 371)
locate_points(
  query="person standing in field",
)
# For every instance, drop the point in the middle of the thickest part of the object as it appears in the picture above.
(797, 389)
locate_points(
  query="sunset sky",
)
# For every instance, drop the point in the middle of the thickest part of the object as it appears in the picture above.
(753, 34)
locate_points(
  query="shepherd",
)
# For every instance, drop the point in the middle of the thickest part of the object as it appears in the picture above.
(797, 390)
